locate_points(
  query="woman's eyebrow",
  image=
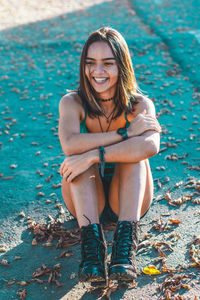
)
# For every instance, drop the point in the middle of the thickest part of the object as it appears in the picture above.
(107, 58)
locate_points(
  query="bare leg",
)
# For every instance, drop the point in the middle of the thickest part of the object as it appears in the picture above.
(133, 177)
(131, 190)
(85, 196)
(130, 196)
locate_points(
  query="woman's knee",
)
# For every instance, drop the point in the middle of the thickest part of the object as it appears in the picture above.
(89, 176)
(131, 164)
(132, 167)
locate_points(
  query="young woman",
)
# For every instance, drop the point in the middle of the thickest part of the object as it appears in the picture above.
(107, 131)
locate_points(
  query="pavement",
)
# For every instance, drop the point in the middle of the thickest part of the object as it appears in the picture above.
(39, 61)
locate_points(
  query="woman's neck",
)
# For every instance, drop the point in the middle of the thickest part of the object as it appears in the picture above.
(108, 106)
(107, 102)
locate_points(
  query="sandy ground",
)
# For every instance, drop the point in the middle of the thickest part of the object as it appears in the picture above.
(39, 61)
(14, 12)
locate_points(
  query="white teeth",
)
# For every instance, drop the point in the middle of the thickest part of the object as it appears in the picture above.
(100, 80)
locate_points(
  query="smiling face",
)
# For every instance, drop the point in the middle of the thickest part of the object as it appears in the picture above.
(101, 69)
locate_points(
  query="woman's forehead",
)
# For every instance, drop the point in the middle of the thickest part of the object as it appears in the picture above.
(99, 50)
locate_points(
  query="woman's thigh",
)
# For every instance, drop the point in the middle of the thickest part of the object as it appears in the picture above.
(66, 194)
(114, 190)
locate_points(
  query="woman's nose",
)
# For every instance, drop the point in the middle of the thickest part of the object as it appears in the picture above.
(98, 69)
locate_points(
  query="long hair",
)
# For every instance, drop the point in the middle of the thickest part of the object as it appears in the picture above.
(126, 87)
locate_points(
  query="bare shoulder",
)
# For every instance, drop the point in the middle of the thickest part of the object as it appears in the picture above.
(70, 102)
(69, 115)
(69, 99)
(144, 103)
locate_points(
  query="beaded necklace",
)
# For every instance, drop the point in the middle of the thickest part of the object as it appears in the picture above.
(105, 100)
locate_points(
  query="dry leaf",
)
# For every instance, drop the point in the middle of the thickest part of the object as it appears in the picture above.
(174, 221)
(4, 262)
(11, 282)
(168, 195)
(22, 283)
(22, 293)
(72, 276)
(151, 270)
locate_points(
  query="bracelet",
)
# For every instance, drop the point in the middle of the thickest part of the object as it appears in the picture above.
(101, 160)
(123, 132)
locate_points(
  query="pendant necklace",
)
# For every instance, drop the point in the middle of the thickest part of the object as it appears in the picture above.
(105, 100)
(107, 120)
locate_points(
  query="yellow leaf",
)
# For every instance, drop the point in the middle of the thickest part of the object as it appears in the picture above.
(151, 270)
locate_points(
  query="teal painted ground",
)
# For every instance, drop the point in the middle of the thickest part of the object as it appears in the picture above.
(38, 62)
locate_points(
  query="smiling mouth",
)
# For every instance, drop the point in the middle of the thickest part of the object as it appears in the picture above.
(100, 80)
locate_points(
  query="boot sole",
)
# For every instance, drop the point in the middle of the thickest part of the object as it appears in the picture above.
(122, 277)
(126, 276)
(91, 278)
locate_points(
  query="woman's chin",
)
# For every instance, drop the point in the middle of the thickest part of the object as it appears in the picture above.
(99, 90)
(103, 91)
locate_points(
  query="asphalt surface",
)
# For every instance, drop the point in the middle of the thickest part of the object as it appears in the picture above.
(39, 61)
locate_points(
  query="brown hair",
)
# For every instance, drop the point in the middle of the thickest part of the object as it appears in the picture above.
(126, 85)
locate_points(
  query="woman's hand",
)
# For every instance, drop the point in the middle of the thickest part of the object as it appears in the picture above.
(74, 165)
(142, 123)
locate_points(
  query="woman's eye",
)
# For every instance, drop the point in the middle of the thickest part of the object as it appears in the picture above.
(108, 64)
(89, 63)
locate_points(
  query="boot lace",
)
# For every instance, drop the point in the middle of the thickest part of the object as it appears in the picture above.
(125, 242)
(92, 248)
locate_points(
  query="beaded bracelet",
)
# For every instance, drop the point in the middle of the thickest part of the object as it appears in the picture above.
(101, 160)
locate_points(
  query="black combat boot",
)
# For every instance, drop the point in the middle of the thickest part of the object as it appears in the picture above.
(94, 254)
(125, 241)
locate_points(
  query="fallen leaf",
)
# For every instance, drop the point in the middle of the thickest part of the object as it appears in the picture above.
(4, 262)
(174, 221)
(13, 166)
(72, 276)
(11, 282)
(22, 283)
(22, 293)
(151, 270)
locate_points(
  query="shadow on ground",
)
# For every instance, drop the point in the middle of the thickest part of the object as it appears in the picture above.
(39, 62)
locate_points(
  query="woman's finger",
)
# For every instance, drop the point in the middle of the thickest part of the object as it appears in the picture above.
(67, 173)
(149, 117)
(65, 168)
(61, 170)
(155, 122)
(145, 118)
(71, 177)
(152, 124)
(156, 128)
(62, 167)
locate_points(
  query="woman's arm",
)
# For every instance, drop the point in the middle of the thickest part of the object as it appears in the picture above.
(135, 148)
(132, 150)
(72, 141)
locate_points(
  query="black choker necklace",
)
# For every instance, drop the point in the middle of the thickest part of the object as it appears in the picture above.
(105, 100)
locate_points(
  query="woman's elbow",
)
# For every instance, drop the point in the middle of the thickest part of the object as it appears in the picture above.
(67, 150)
(66, 147)
(152, 148)
(70, 147)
